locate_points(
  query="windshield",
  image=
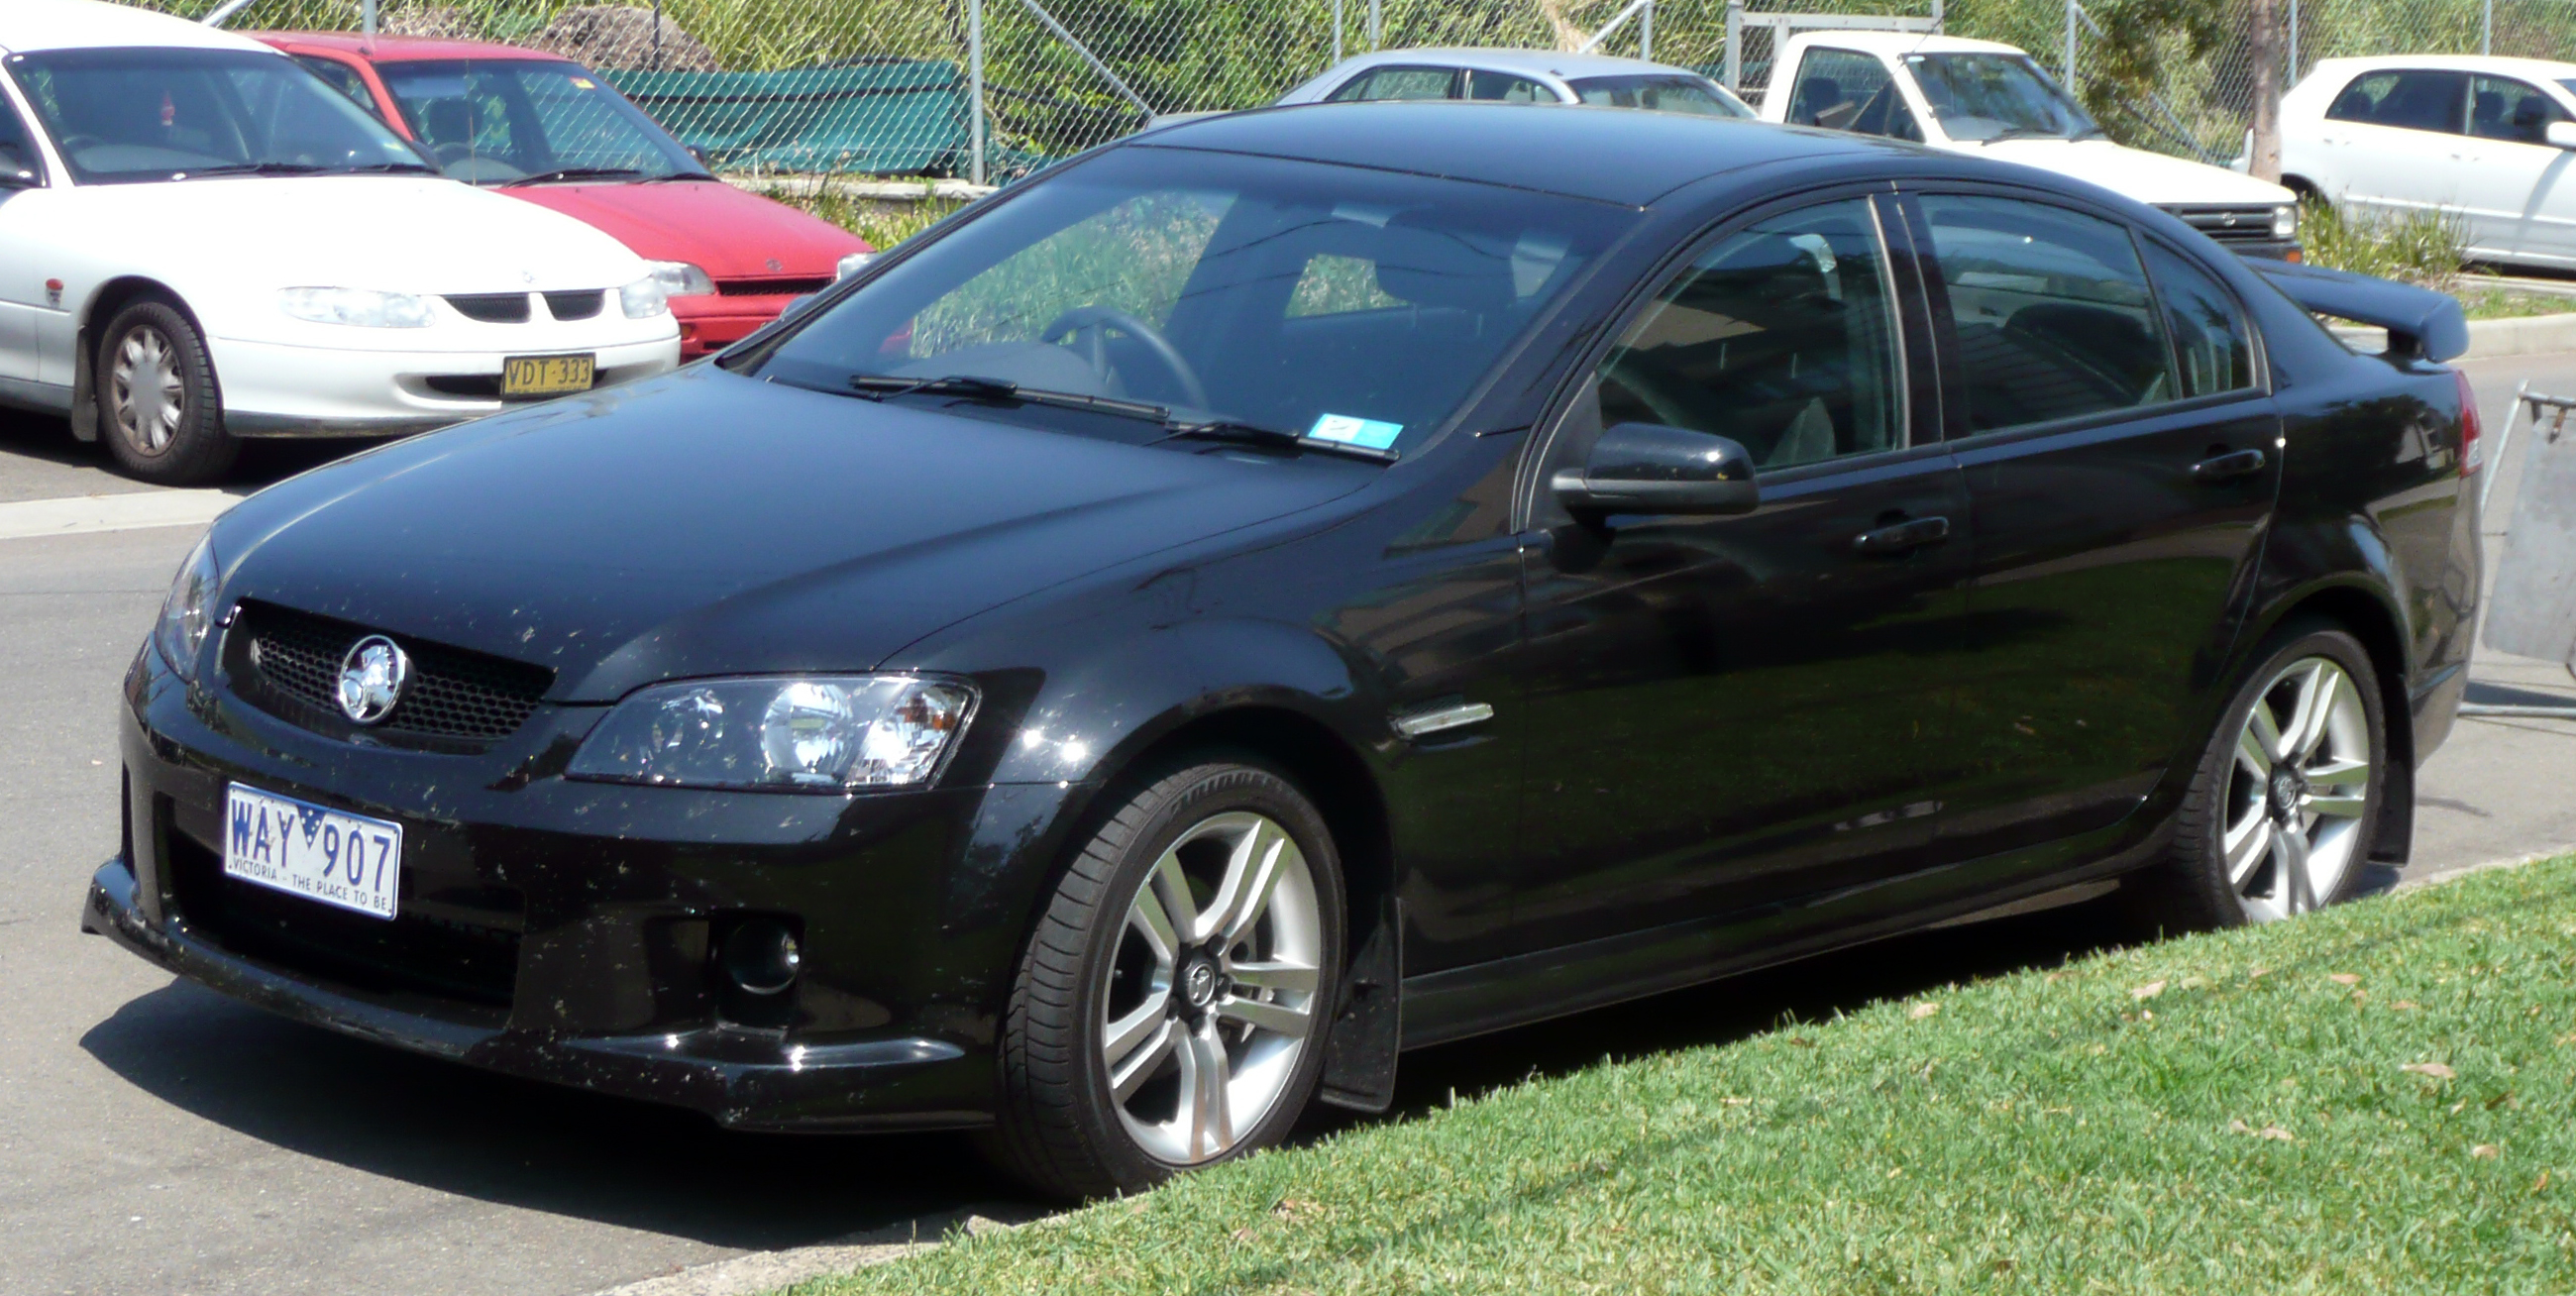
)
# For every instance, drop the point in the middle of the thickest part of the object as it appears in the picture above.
(129, 115)
(1660, 93)
(492, 121)
(1296, 297)
(1996, 96)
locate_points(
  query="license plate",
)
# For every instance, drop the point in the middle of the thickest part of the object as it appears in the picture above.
(548, 375)
(332, 856)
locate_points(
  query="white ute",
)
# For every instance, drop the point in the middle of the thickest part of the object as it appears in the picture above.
(1990, 99)
(200, 241)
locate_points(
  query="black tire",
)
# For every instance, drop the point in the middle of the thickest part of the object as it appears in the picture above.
(2191, 889)
(190, 449)
(1058, 1129)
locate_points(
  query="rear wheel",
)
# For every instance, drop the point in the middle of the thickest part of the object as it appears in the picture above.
(1170, 1010)
(2281, 814)
(157, 400)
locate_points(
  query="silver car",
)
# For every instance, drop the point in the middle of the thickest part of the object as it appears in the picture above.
(1520, 76)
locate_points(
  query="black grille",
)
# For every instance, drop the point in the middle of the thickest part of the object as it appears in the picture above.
(460, 944)
(454, 695)
(476, 386)
(771, 287)
(492, 308)
(2229, 224)
(574, 305)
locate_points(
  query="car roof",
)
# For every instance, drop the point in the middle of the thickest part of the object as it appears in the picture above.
(30, 26)
(2540, 69)
(1609, 154)
(1557, 63)
(407, 49)
(1893, 43)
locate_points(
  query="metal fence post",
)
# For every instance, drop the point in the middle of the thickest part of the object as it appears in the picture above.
(2069, 65)
(2294, 42)
(1377, 24)
(2486, 28)
(1337, 31)
(367, 19)
(975, 88)
(1646, 32)
(1735, 45)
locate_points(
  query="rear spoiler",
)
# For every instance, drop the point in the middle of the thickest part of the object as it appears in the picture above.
(2419, 321)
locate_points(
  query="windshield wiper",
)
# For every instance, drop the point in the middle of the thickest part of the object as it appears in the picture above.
(388, 168)
(249, 168)
(573, 173)
(1254, 434)
(878, 387)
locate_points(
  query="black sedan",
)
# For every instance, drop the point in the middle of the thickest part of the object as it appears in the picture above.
(1297, 586)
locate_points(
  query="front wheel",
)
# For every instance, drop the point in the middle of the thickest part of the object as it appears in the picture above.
(2280, 817)
(1169, 1012)
(157, 399)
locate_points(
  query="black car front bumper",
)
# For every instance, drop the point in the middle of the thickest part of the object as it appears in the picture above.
(562, 931)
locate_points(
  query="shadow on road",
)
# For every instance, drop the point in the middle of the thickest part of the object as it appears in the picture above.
(48, 439)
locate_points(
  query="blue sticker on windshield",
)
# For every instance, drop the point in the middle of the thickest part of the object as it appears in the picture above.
(1355, 431)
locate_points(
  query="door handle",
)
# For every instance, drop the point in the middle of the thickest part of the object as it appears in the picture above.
(1903, 537)
(2218, 468)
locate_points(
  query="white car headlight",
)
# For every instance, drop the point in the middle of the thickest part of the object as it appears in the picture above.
(644, 299)
(827, 733)
(356, 307)
(680, 279)
(188, 615)
(852, 264)
(2285, 223)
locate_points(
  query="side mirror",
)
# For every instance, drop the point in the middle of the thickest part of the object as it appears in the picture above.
(1650, 468)
(2561, 133)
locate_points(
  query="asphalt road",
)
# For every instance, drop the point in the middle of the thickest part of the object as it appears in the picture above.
(155, 1137)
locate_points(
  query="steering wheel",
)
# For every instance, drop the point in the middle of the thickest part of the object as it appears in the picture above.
(1100, 321)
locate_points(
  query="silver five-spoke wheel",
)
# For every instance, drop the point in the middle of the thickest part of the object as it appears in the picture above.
(147, 392)
(2298, 790)
(1210, 1000)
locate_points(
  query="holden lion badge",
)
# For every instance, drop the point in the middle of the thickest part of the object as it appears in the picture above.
(371, 678)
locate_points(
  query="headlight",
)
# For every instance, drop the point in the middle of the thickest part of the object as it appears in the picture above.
(357, 307)
(188, 615)
(852, 264)
(2285, 223)
(644, 299)
(680, 279)
(803, 733)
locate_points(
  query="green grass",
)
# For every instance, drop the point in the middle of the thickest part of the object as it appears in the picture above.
(2482, 302)
(882, 223)
(2376, 1099)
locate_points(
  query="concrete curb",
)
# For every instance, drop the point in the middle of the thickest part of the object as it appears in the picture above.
(24, 519)
(768, 1271)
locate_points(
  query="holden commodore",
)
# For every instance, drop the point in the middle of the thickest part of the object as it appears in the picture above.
(1292, 587)
(200, 242)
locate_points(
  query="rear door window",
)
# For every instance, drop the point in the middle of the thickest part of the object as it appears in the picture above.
(2408, 100)
(1399, 83)
(1503, 87)
(1848, 91)
(2052, 312)
(2213, 353)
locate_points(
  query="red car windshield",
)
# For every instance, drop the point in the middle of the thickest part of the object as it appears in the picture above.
(504, 121)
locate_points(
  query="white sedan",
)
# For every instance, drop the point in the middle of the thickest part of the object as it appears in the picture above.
(1519, 76)
(199, 241)
(2487, 139)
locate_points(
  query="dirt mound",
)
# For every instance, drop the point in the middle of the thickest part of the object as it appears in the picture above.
(622, 36)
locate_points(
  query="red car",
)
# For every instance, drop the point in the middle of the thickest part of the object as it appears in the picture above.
(540, 127)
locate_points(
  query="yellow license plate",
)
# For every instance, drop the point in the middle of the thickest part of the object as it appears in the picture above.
(548, 375)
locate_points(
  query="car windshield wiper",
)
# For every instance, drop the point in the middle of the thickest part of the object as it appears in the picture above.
(1254, 434)
(974, 387)
(248, 168)
(573, 173)
(388, 168)
(679, 175)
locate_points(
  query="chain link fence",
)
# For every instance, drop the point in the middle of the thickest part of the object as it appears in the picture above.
(986, 90)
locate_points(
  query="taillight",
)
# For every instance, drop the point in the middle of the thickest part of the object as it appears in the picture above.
(2472, 454)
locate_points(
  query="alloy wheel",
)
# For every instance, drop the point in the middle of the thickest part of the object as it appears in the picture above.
(2297, 791)
(147, 393)
(1210, 996)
